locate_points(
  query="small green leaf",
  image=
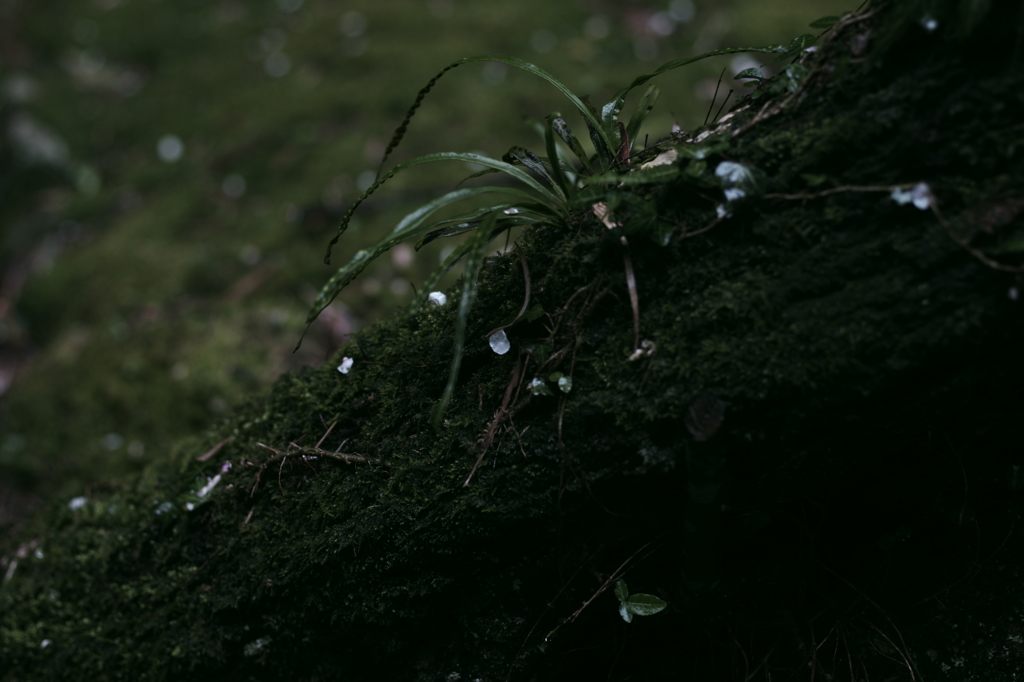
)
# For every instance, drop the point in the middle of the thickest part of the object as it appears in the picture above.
(794, 75)
(621, 591)
(644, 604)
(541, 352)
(813, 179)
(534, 313)
(474, 261)
(824, 22)
(752, 72)
(1015, 245)
(624, 611)
(643, 108)
(564, 384)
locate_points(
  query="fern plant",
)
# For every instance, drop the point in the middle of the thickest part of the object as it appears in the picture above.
(554, 186)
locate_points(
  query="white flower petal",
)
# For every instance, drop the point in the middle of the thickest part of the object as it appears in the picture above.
(437, 298)
(77, 503)
(734, 193)
(209, 486)
(921, 196)
(345, 366)
(901, 196)
(733, 173)
(499, 342)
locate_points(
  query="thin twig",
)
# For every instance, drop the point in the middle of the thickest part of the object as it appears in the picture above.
(634, 297)
(327, 433)
(970, 249)
(214, 450)
(837, 190)
(616, 574)
(906, 661)
(713, 224)
(518, 371)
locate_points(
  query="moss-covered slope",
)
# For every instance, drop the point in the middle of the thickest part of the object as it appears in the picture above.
(858, 499)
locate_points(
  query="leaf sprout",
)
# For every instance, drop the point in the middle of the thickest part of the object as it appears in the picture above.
(636, 604)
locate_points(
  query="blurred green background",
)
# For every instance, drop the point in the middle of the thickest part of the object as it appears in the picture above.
(171, 173)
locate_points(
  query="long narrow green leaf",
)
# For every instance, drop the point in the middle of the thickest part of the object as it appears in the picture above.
(452, 230)
(584, 110)
(409, 227)
(610, 122)
(399, 133)
(620, 97)
(561, 129)
(604, 144)
(643, 108)
(474, 260)
(414, 221)
(431, 282)
(396, 137)
(478, 174)
(533, 162)
(509, 169)
(527, 212)
(605, 155)
(556, 164)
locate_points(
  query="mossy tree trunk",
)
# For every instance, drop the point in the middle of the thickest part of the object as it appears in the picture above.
(855, 510)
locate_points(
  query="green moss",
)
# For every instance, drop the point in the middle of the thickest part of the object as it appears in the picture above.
(844, 331)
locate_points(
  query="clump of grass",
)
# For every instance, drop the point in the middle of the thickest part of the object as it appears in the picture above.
(565, 181)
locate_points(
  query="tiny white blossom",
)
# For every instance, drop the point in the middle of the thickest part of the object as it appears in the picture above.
(437, 298)
(733, 173)
(209, 486)
(499, 342)
(345, 366)
(722, 211)
(920, 195)
(77, 503)
(45, 644)
(929, 23)
(734, 193)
